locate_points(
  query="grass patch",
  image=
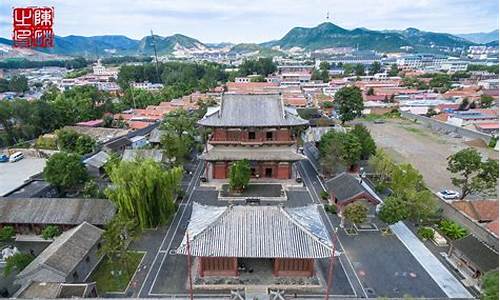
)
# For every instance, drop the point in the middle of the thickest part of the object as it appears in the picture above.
(106, 282)
(414, 130)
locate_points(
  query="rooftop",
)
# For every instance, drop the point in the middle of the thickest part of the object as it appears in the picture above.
(482, 256)
(69, 211)
(132, 154)
(62, 256)
(266, 153)
(239, 110)
(345, 187)
(256, 231)
(97, 160)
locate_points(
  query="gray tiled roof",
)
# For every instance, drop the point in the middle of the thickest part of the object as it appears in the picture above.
(257, 231)
(271, 153)
(61, 257)
(482, 256)
(155, 136)
(154, 154)
(344, 186)
(243, 110)
(70, 211)
(97, 160)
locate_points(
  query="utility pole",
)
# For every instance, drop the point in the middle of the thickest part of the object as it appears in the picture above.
(190, 276)
(156, 56)
(330, 268)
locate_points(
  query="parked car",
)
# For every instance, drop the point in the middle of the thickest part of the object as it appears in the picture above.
(448, 194)
(16, 157)
(4, 158)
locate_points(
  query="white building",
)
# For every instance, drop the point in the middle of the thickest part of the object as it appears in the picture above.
(146, 85)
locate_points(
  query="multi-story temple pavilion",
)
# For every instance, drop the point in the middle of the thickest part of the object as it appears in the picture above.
(255, 127)
(221, 236)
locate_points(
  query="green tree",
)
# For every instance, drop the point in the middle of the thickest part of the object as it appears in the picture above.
(84, 144)
(486, 101)
(490, 286)
(239, 175)
(324, 65)
(7, 232)
(91, 190)
(338, 148)
(351, 150)
(472, 174)
(65, 171)
(50, 232)
(116, 239)
(349, 103)
(348, 69)
(143, 191)
(382, 165)
(406, 178)
(17, 262)
(368, 146)
(18, 84)
(359, 70)
(440, 80)
(356, 213)
(394, 71)
(178, 136)
(375, 68)
(393, 210)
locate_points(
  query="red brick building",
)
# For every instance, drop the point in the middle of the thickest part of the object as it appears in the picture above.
(254, 127)
(291, 238)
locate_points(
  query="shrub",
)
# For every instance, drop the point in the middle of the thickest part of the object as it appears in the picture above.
(324, 195)
(7, 233)
(44, 142)
(50, 232)
(331, 208)
(426, 233)
(452, 230)
(17, 262)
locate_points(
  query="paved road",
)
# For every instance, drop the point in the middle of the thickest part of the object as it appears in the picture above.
(424, 281)
(314, 185)
(146, 278)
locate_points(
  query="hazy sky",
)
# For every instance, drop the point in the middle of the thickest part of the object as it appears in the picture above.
(255, 20)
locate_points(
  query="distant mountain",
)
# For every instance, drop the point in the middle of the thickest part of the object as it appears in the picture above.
(329, 35)
(176, 43)
(481, 37)
(100, 45)
(323, 36)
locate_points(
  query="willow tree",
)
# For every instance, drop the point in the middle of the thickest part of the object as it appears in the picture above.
(144, 191)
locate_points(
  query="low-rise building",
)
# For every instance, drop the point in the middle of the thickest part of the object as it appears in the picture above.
(70, 258)
(31, 215)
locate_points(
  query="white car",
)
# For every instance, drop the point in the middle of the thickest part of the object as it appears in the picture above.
(448, 194)
(16, 157)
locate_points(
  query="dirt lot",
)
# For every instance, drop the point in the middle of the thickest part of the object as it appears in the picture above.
(414, 143)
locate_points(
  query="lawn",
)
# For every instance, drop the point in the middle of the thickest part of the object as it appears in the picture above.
(106, 282)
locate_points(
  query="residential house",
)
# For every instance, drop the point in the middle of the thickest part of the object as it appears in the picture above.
(472, 256)
(70, 258)
(345, 189)
(31, 215)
